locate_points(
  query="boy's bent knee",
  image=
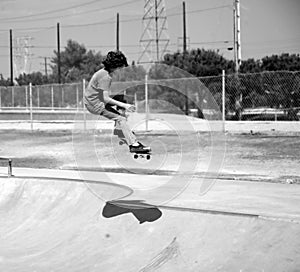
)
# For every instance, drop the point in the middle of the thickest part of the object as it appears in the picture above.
(121, 119)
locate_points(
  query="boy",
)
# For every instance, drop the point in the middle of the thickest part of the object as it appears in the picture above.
(98, 101)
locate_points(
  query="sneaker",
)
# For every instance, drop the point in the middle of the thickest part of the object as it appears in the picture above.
(140, 148)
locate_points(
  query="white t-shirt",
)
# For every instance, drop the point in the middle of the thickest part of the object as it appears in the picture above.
(93, 96)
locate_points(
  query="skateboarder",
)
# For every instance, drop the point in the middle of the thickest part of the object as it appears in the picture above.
(98, 101)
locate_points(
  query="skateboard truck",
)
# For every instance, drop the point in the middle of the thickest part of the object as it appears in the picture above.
(142, 155)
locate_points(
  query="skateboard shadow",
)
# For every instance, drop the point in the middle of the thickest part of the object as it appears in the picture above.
(142, 211)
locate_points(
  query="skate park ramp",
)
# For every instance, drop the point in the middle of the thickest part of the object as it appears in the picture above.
(58, 225)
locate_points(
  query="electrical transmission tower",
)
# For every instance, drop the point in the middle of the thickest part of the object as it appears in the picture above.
(22, 54)
(154, 39)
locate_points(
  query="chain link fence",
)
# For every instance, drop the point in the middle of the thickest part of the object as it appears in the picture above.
(54, 97)
(258, 96)
(265, 96)
(255, 96)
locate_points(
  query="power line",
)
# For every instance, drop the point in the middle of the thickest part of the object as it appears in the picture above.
(31, 28)
(289, 41)
(200, 10)
(107, 21)
(211, 42)
(49, 12)
(273, 41)
(78, 13)
(138, 18)
(124, 45)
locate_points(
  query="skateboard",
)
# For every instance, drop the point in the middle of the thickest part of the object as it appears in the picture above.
(143, 155)
(136, 155)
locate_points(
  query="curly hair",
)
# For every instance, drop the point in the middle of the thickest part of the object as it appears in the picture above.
(114, 59)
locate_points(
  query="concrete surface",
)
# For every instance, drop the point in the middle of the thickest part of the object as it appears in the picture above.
(52, 220)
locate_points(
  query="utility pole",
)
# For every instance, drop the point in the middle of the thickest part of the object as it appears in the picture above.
(234, 37)
(45, 64)
(238, 32)
(46, 71)
(184, 28)
(237, 35)
(156, 32)
(237, 55)
(184, 53)
(11, 59)
(118, 32)
(58, 55)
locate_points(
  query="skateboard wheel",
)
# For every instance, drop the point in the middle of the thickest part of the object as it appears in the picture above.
(135, 156)
(148, 157)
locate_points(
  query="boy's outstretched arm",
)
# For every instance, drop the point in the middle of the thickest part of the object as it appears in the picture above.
(109, 100)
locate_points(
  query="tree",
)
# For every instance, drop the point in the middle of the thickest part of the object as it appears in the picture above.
(282, 62)
(250, 66)
(76, 62)
(36, 78)
(91, 63)
(200, 62)
(3, 81)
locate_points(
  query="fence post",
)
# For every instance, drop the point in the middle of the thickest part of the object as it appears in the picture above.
(135, 101)
(52, 98)
(77, 97)
(30, 106)
(62, 96)
(38, 96)
(12, 96)
(223, 99)
(146, 101)
(9, 168)
(26, 97)
(84, 113)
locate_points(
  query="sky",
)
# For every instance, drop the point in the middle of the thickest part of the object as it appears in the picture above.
(267, 27)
